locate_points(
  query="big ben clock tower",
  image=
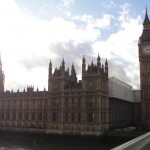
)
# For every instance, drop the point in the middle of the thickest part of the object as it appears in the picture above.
(144, 58)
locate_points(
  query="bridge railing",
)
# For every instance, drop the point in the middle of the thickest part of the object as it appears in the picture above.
(140, 143)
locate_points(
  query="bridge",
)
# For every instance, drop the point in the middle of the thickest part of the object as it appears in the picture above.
(140, 143)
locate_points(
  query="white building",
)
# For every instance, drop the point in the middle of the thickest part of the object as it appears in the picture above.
(120, 90)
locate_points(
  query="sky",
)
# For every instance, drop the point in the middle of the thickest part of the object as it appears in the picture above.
(33, 32)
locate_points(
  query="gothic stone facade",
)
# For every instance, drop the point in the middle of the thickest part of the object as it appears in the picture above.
(69, 106)
(144, 58)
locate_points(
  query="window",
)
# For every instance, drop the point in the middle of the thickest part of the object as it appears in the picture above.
(33, 116)
(90, 85)
(26, 116)
(73, 102)
(45, 116)
(2, 116)
(54, 116)
(90, 117)
(79, 117)
(20, 116)
(66, 104)
(79, 102)
(33, 103)
(90, 102)
(40, 116)
(8, 116)
(72, 117)
(66, 117)
(55, 103)
(14, 116)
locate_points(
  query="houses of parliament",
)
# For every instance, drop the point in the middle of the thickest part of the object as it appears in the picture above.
(90, 106)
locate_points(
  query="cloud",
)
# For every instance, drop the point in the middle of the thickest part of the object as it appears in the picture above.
(107, 4)
(72, 52)
(103, 22)
(28, 43)
(67, 3)
(35, 61)
(121, 47)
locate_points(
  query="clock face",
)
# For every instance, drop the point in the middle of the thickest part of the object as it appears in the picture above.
(146, 49)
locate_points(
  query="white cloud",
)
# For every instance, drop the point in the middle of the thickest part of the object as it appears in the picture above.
(107, 4)
(103, 22)
(67, 3)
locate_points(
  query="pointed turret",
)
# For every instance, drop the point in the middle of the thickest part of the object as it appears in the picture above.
(83, 60)
(92, 63)
(106, 67)
(63, 63)
(98, 63)
(50, 69)
(63, 68)
(83, 66)
(1, 77)
(98, 59)
(72, 69)
(73, 72)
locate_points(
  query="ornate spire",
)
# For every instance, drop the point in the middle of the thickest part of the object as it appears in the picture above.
(73, 72)
(92, 63)
(106, 63)
(63, 62)
(106, 66)
(83, 66)
(98, 58)
(83, 60)
(98, 63)
(146, 20)
(50, 69)
(63, 68)
(72, 67)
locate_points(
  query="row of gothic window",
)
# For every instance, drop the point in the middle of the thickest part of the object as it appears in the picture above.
(73, 117)
(21, 116)
(73, 103)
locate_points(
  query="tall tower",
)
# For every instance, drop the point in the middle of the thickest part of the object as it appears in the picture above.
(144, 58)
(1, 77)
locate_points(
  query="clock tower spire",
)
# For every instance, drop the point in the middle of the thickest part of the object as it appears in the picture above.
(144, 58)
(146, 20)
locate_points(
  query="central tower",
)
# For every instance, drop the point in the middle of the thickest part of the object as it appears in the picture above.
(144, 58)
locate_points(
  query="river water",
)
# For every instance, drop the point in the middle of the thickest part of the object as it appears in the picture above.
(13, 141)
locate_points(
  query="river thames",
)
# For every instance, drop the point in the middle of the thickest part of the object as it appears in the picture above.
(17, 141)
